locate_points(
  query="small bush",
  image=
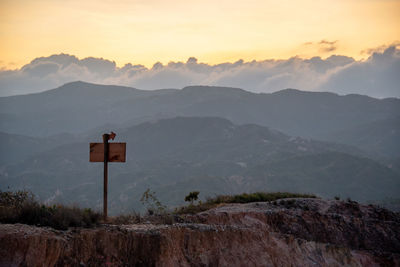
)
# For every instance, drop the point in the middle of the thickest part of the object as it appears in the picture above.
(21, 207)
(15, 199)
(192, 197)
(154, 206)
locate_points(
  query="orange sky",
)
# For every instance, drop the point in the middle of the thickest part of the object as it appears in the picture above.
(146, 31)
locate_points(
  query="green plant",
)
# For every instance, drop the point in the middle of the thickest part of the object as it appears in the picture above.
(151, 202)
(192, 197)
(337, 198)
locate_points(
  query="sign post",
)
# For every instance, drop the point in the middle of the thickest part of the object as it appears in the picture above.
(107, 152)
(105, 187)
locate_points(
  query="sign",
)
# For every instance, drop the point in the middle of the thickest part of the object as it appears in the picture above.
(107, 152)
(116, 153)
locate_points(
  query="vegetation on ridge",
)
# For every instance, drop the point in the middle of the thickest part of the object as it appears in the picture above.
(241, 198)
(22, 207)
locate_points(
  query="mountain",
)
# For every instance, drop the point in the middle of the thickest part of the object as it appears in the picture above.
(214, 139)
(78, 107)
(15, 148)
(213, 155)
(73, 108)
(380, 137)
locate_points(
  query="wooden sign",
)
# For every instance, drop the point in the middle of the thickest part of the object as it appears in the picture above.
(107, 152)
(117, 152)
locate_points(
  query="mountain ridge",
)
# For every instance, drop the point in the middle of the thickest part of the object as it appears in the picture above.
(193, 87)
(283, 110)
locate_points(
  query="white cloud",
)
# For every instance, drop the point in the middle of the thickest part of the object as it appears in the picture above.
(377, 76)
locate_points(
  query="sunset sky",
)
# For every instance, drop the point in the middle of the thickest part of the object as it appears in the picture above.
(147, 31)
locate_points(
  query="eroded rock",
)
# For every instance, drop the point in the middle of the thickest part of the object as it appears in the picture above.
(299, 232)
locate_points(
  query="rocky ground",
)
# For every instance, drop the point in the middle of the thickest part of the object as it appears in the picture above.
(288, 232)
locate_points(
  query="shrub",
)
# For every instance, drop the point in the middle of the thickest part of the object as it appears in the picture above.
(15, 199)
(192, 196)
(153, 205)
(21, 207)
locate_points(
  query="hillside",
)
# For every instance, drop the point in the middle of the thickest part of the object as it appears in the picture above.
(288, 232)
(78, 107)
(380, 137)
(212, 155)
(15, 147)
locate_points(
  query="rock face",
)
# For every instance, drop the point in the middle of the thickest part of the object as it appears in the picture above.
(291, 232)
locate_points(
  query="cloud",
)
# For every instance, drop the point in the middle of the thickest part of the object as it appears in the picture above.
(41, 69)
(379, 49)
(327, 46)
(377, 76)
(323, 46)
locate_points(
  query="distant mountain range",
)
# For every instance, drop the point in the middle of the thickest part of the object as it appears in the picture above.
(80, 107)
(183, 154)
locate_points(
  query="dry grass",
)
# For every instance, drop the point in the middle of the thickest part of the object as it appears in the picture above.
(21, 207)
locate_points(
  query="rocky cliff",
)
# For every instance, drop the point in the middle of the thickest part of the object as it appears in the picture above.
(290, 232)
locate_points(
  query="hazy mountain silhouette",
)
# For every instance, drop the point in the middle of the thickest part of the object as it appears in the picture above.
(74, 107)
(213, 155)
(78, 107)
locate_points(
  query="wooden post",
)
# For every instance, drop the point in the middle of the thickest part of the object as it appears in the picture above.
(106, 152)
